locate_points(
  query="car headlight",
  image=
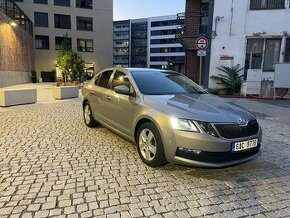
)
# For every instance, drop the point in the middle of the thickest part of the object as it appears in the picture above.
(183, 124)
(208, 128)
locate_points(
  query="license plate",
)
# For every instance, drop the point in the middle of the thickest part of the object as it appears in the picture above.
(245, 145)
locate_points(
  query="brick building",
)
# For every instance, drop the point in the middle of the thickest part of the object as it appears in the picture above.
(16, 45)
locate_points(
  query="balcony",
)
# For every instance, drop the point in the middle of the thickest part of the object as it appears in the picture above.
(17, 15)
(123, 29)
(121, 53)
(188, 40)
(121, 61)
(121, 37)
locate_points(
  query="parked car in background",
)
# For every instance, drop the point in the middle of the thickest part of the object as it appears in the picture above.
(170, 118)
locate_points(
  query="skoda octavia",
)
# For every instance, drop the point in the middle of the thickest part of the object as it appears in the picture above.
(170, 118)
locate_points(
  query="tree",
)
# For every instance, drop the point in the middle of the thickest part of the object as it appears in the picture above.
(230, 80)
(70, 62)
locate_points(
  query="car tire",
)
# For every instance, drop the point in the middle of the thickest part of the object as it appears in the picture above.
(150, 146)
(88, 116)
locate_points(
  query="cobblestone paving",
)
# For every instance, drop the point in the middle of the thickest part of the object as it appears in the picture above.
(51, 164)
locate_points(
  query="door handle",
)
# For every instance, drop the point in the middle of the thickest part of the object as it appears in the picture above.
(108, 97)
(92, 92)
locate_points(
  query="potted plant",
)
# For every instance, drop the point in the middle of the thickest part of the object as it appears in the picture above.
(72, 67)
(33, 76)
(231, 80)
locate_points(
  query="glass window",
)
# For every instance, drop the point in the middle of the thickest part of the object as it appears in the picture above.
(40, 1)
(62, 2)
(168, 83)
(105, 78)
(85, 23)
(119, 79)
(85, 45)
(287, 51)
(41, 19)
(84, 4)
(267, 4)
(59, 40)
(272, 54)
(62, 21)
(41, 42)
(254, 55)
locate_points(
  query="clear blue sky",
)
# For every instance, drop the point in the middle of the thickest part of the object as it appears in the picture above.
(131, 9)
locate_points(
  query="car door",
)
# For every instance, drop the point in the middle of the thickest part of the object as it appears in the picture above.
(99, 95)
(120, 107)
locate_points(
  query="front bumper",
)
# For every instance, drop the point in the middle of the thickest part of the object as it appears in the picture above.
(203, 150)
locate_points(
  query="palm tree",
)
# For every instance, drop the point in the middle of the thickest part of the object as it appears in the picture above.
(230, 79)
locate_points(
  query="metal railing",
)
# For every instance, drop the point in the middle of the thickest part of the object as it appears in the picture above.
(17, 15)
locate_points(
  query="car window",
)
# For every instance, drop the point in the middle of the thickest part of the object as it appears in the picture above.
(120, 78)
(97, 79)
(105, 78)
(164, 83)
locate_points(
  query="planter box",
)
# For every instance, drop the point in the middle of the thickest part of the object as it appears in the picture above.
(65, 92)
(11, 97)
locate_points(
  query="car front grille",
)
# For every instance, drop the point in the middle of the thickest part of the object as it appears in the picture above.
(232, 131)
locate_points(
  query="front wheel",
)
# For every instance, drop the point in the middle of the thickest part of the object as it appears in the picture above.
(150, 146)
(88, 116)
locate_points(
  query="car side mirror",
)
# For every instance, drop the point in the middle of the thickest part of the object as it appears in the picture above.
(122, 89)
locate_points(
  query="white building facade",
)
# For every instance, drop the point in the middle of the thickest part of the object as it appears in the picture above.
(163, 48)
(252, 33)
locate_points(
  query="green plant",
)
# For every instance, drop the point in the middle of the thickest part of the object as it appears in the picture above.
(33, 76)
(230, 79)
(70, 62)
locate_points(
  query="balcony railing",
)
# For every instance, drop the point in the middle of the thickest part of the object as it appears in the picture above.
(16, 14)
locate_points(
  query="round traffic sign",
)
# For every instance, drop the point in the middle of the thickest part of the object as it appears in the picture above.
(201, 43)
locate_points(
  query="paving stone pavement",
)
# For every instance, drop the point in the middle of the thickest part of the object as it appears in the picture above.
(52, 165)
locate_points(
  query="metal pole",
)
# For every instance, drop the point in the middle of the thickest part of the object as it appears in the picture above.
(200, 70)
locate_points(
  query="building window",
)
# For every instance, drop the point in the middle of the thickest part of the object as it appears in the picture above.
(41, 42)
(287, 51)
(62, 21)
(85, 23)
(254, 56)
(41, 19)
(40, 1)
(59, 40)
(85, 45)
(267, 4)
(84, 4)
(62, 2)
(272, 54)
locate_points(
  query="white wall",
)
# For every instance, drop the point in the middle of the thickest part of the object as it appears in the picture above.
(234, 28)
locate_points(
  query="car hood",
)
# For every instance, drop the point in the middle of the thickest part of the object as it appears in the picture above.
(200, 107)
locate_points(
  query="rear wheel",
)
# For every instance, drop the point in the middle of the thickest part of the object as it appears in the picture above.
(88, 116)
(150, 146)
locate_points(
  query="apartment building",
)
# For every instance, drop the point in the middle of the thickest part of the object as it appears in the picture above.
(151, 43)
(121, 44)
(87, 23)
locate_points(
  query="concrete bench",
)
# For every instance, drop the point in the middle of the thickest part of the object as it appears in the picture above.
(65, 92)
(11, 97)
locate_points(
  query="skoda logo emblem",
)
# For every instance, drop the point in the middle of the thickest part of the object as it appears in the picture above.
(242, 121)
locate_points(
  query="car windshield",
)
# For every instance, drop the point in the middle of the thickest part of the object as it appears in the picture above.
(165, 83)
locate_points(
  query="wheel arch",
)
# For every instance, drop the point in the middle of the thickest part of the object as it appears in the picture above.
(143, 120)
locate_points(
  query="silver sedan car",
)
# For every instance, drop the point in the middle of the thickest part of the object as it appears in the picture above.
(170, 118)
